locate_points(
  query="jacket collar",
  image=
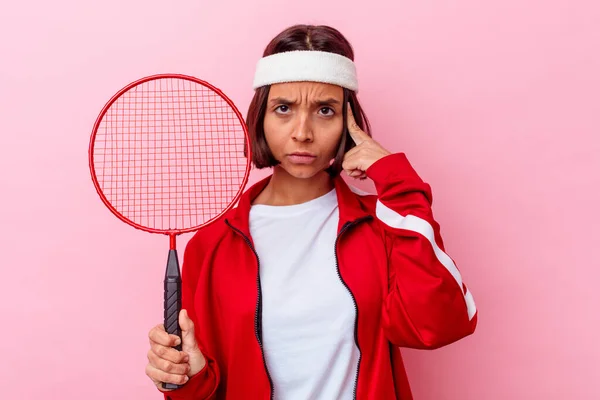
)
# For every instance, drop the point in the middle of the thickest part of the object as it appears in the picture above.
(350, 207)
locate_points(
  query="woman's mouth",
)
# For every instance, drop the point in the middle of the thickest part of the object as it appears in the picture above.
(301, 158)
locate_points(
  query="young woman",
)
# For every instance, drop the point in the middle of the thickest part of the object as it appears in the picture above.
(307, 289)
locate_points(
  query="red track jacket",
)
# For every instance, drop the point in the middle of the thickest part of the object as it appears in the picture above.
(407, 290)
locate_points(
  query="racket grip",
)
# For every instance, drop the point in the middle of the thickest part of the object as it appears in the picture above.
(172, 303)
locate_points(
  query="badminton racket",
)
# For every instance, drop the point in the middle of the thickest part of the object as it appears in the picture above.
(169, 154)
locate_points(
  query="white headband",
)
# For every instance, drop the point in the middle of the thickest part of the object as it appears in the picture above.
(306, 65)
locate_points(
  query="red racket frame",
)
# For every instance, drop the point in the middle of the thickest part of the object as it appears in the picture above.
(173, 232)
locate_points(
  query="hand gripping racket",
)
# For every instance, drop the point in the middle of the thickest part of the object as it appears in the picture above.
(169, 154)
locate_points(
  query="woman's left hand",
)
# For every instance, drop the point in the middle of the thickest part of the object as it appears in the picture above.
(367, 151)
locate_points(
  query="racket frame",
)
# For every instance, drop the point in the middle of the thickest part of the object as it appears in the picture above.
(171, 232)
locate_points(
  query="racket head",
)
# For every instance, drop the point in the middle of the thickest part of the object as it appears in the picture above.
(175, 125)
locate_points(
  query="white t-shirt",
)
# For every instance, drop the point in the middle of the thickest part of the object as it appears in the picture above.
(307, 313)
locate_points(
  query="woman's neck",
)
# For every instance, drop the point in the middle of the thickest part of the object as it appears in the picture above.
(284, 189)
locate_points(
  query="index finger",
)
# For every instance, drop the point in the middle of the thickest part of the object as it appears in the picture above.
(356, 133)
(160, 336)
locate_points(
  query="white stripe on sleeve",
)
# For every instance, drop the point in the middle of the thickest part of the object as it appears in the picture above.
(421, 226)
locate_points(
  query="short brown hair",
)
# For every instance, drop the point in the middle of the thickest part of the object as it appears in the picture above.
(303, 37)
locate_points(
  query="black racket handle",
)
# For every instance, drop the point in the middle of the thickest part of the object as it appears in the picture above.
(172, 304)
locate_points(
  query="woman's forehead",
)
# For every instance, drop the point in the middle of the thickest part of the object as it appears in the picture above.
(306, 89)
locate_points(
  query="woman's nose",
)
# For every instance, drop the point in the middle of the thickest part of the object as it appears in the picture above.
(303, 130)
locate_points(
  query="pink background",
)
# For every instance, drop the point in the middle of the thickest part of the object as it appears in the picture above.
(495, 103)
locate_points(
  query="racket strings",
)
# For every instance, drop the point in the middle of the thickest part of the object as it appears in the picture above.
(169, 154)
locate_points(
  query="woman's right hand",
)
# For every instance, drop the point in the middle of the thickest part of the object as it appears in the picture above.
(167, 364)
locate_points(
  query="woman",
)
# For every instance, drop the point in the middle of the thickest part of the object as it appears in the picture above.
(307, 290)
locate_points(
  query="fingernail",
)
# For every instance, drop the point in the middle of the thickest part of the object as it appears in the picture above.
(331, 162)
(186, 378)
(177, 342)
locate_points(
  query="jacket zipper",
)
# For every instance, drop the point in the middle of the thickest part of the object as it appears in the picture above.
(347, 226)
(257, 328)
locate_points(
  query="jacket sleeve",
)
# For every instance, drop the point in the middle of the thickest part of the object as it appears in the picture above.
(428, 305)
(203, 385)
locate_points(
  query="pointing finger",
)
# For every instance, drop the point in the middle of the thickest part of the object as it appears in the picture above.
(357, 134)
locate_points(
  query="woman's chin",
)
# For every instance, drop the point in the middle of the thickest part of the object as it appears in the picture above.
(302, 171)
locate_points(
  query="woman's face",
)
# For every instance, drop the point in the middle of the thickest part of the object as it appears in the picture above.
(303, 125)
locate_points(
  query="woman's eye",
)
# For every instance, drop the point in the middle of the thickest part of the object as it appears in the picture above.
(326, 111)
(282, 109)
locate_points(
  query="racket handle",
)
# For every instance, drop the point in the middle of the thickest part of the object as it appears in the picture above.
(172, 304)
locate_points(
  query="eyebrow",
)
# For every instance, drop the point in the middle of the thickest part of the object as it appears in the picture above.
(320, 102)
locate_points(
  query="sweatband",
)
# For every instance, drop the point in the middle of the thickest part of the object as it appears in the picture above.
(306, 65)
